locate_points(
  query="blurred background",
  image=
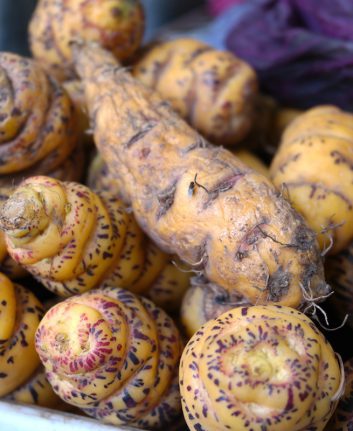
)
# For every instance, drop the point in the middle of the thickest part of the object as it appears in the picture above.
(13, 25)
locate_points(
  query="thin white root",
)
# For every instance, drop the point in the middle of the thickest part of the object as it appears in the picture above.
(328, 248)
(186, 270)
(341, 387)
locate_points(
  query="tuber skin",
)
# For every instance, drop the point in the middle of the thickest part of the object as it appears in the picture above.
(20, 314)
(205, 301)
(214, 91)
(64, 234)
(38, 122)
(259, 368)
(196, 200)
(143, 268)
(70, 170)
(314, 166)
(117, 25)
(113, 355)
(342, 420)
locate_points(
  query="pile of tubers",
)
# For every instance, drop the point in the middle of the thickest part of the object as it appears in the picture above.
(186, 271)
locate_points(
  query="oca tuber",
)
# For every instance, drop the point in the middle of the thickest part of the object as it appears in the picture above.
(118, 25)
(259, 368)
(194, 199)
(20, 314)
(113, 355)
(314, 166)
(37, 119)
(213, 90)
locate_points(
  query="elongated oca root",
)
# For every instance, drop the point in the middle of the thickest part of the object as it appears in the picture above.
(37, 119)
(259, 367)
(314, 166)
(342, 420)
(113, 355)
(118, 25)
(194, 199)
(213, 90)
(20, 314)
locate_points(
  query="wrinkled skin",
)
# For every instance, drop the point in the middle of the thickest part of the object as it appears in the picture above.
(147, 271)
(314, 167)
(118, 25)
(213, 90)
(259, 368)
(113, 355)
(196, 200)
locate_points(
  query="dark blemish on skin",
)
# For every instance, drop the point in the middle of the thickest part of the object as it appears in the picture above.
(166, 200)
(140, 135)
(278, 284)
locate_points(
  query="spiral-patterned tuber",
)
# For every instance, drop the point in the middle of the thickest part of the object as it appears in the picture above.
(113, 355)
(63, 233)
(20, 314)
(37, 119)
(259, 368)
(117, 25)
(213, 90)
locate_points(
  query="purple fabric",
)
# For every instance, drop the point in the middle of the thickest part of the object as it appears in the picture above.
(301, 49)
(218, 6)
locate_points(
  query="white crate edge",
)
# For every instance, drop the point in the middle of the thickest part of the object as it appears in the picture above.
(20, 417)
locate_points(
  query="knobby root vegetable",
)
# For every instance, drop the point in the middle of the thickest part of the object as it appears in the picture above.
(118, 25)
(339, 271)
(113, 355)
(314, 165)
(343, 417)
(37, 119)
(213, 90)
(143, 268)
(196, 200)
(20, 314)
(64, 234)
(259, 368)
(70, 170)
(205, 301)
